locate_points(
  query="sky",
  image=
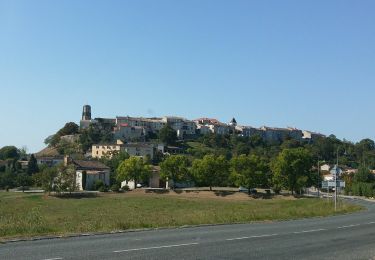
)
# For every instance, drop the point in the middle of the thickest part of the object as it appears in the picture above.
(306, 64)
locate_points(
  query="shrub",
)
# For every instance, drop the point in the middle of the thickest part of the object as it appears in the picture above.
(126, 188)
(115, 188)
(98, 184)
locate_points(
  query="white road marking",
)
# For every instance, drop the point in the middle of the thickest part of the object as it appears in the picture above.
(241, 238)
(309, 231)
(349, 226)
(57, 258)
(155, 247)
(370, 223)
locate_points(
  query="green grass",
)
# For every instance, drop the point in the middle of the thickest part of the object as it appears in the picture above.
(23, 215)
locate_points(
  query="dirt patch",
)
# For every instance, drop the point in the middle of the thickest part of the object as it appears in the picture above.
(216, 195)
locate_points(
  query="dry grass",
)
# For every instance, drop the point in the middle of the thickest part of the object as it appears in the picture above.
(32, 215)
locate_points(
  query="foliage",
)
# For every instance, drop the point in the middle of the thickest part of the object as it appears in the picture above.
(115, 187)
(291, 169)
(175, 168)
(168, 135)
(45, 178)
(249, 171)
(363, 175)
(100, 132)
(24, 181)
(133, 169)
(66, 179)
(211, 171)
(32, 166)
(9, 152)
(70, 128)
(8, 179)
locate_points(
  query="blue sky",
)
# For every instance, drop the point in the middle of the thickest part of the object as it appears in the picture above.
(308, 64)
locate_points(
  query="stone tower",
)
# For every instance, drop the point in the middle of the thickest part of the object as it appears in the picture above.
(86, 113)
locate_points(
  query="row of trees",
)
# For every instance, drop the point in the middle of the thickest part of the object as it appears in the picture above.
(290, 170)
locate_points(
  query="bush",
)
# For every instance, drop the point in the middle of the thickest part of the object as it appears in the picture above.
(98, 184)
(115, 188)
(126, 188)
(103, 188)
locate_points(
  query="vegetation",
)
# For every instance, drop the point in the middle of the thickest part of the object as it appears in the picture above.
(168, 135)
(175, 168)
(126, 211)
(249, 171)
(133, 169)
(211, 171)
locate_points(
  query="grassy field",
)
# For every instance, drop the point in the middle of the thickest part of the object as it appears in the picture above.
(24, 215)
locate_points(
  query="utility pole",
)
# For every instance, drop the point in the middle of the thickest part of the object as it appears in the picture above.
(337, 171)
(318, 176)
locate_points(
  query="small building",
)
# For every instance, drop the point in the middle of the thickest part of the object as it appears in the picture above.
(101, 150)
(93, 171)
(139, 149)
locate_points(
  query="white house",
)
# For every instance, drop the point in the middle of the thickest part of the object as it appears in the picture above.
(93, 171)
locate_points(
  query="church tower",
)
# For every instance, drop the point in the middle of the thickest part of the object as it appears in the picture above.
(86, 113)
(86, 117)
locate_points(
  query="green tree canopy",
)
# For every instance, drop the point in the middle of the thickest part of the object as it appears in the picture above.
(69, 128)
(168, 135)
(133, 169)
(175, 168)
(45, 178)
(211, 171)
(9, 152)
(32, 166)
(291, 169)
(249, 171)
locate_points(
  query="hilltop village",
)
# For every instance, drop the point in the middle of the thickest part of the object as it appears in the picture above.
(135, 129)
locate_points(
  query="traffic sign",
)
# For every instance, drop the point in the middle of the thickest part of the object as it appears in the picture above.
(331, 184)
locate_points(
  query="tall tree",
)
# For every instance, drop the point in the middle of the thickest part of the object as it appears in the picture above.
(211, 170)
(168, 135)
(291, 167)
(133, 169)
(249, 171)
(175, 168)
(32, 166)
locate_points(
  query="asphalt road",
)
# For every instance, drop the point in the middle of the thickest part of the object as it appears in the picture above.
(349, 236)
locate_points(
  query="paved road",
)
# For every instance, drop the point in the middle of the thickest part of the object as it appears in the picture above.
(340, 237)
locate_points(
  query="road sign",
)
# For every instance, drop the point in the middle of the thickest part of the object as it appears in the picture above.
(331, 184)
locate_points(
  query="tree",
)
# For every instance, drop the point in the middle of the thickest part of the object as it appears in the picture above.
(66, 179)
(363, 175)
(168, 135)
(133, 169)
(8, 179)
(291, 167)
(46, 178)
(32, 166)
(211, 170)
(249, 171)
(23, 181)
(9, 152)
(70, 128)
(175, 168)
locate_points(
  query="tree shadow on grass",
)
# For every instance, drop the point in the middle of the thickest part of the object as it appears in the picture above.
(224, 193)
(76, 195)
